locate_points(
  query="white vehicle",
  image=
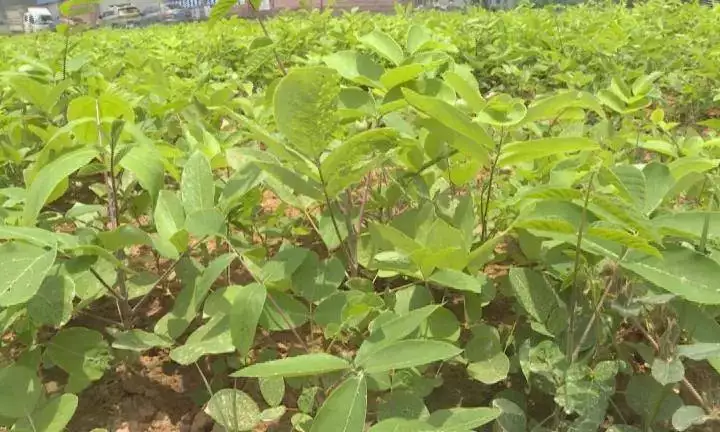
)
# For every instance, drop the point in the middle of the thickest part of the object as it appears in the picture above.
(37, 19)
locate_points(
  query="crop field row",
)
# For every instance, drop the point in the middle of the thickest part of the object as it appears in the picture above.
(347, 222)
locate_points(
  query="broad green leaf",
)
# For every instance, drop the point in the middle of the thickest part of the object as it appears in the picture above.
(169, 216)
(283, 312)
(273, 415)
(651, 400)
(384, 45)
(458, 280)
(234, 410)
(33, 235)
(315, 280)
(699, 351)
(197, 186)
(687, 416)
(552, 107)
(52, 304)
(206, 222)
(247, 305)
(668, 371)
(49, 177)
(488, 362)
(52, 417)
(357, 67)
(417, 36)
(281, 267)
(272, 389)
(104, 109)
(479, 142)
(402, 425)
(525, 151)
(352, 160)
(624, 238)
(393, 330)
(539, 299)
(680, 271)
(308, 364)
(462, 419)
(212, 337)
(701, 327)
(467, 90)
(147, 165)
(632, 181)
(442, 325)
(21, 390)
(512, 417)
(691, 164)
(22, 270)
(82, 353)
(124, 236)
(407, 353)
(402, 404)
(689, 224)
(140, 340)
(305, 105)
(401, 74)
(345, 409)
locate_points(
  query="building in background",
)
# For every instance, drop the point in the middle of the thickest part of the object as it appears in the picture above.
(11, 14)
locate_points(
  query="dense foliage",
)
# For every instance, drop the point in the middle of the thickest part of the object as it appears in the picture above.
(356, 212)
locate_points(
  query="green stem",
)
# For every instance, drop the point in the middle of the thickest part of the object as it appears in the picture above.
(486, 205)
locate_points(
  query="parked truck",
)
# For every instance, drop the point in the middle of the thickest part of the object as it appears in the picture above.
(21, 19)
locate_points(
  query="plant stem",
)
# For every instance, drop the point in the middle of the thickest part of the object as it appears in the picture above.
(596, 313)
(112, 207)
(333, 219)
(486, 206)
(280, 64)
(687, 384)
(574, 295)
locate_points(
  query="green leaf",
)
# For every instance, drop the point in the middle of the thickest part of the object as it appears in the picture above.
(526, 151)
(689, 224)
(315, 280)
(52, 304)
(680, 271)
(488, 362)
(21, 390)
(512, 417)
(686, 417)
(479, 142)
(554, 106)
(468, 90)
(401, 74)
(246, 309)
(407, 353)
(384, 45)
(393, 330)
(305, 105)
(691, 164)
(197, 186)
(273, 414)
(206, 222)
(82, 353)
(345, 409)
(402, 404)
(234, 410)
(668, 371)
(417, 37)
(212, 337)
(654, 402)
(357, 67)
(220, 10)
(462, 419)
(539, 299)
(402, 425)
(140, 340)
(49, 177)
(699, 351)
(442, 325)
(37, 236)
(147, 165)
(124, 236)
(458, 280)
(52, 417)
(308, 364)
(701, 326)
(291, 313)
(169, 216)
(348, 163)
(22, 270)
(272, 389)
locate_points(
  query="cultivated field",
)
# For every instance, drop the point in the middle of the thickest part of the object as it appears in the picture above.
(479, 221)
